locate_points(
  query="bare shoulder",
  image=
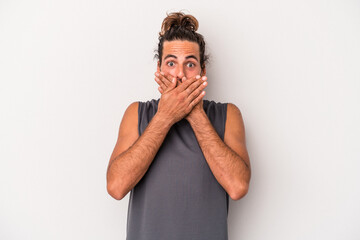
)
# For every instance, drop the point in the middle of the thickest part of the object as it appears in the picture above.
(131, 111)
(233, 110)
(234, 122)
(234, 136)
(130, 119)
(128, 130)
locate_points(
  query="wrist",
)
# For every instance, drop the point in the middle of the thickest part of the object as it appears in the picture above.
(196, 116)
(163, 121)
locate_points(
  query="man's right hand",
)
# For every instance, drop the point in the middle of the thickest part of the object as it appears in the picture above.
(178, 101)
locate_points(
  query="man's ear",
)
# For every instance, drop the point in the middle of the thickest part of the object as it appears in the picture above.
(203, 71)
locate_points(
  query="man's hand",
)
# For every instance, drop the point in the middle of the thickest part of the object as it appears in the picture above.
(176, 102)
(164, 81)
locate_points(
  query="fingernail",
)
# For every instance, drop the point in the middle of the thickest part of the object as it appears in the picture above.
(204, 78)
(173, 80)
(162, 73)
(157, 74)
(198, 77)
(184, 78)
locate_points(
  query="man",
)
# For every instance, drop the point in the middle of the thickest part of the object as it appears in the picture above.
(180, 156)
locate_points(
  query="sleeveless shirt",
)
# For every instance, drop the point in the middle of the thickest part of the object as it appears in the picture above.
(179, 198)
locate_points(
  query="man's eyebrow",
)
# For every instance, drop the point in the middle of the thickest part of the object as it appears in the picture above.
(187, 57)
(191, 56)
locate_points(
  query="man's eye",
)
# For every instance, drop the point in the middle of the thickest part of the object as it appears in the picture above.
(191, 65)
(170, 63)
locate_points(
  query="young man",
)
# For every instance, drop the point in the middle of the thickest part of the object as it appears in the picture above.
(180, 156)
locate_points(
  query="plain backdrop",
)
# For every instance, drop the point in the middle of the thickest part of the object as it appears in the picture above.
(69, 69)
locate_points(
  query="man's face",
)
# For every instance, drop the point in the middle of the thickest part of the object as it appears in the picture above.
(181, 58)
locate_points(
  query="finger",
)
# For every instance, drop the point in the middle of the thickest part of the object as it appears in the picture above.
(166, 78)
(160, 83)
(197, 99)
(188, 82)
(195, 85)
(197, 91)
(162, 79)
(160, 90)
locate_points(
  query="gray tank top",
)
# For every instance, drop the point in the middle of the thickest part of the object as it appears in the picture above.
(179, 198)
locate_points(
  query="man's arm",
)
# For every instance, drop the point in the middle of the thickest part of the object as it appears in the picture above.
(228, 160)
(132, 154)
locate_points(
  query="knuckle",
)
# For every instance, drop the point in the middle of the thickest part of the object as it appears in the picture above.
(202, 84)
(181, 97)
(190, 82)
(194, 87)
(197, 92)
(197, 84)
(192, 96)
(191, 105)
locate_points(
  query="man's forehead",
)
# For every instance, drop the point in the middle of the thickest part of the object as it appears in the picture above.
(178, 47)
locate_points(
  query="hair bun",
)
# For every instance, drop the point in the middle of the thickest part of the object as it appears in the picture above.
(179, 19)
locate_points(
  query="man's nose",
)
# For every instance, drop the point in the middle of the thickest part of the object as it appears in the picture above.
(180, 73)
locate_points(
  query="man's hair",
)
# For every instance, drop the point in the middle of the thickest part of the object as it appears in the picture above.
(180, 26)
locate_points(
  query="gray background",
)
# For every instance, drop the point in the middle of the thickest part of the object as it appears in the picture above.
(69, 69)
